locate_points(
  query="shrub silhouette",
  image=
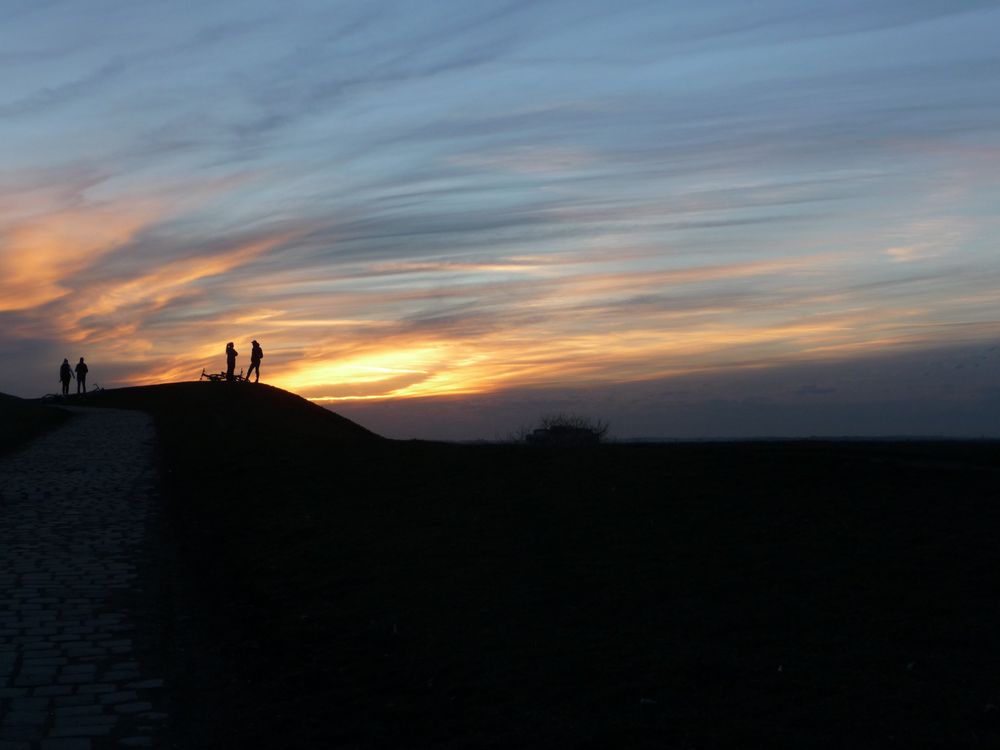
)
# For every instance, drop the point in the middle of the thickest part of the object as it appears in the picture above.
(566, 429)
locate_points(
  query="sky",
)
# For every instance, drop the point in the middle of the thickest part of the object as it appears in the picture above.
(446, 219)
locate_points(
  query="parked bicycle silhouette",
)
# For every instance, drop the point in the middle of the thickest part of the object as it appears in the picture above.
(220, 377)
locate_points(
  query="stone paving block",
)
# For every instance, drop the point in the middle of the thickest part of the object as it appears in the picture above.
(30, 718)
(106, 720)
(121, 676)
(87, 651)
(133, 742)
(32, 679)
(92, 709)
(146, 685)
(79, 669)
(122, 696)
(75, 700)
(133, 708)
(74, 743)
(48, 670)
(103, 687)
(20, 732)
(83, 730)
(53, 690)
(36, 645)
(35, 663)
(118, 643)
(29, 704)
(76, 678)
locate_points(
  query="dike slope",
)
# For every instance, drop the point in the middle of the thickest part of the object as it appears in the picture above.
(22, 420)
(231, 411)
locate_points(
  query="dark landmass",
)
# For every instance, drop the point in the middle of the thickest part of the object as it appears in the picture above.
(242, 411)
(341, 590)
(22, 421)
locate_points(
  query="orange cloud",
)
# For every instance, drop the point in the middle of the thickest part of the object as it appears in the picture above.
(365, 331)
(39, 254)
(428, 367)
(158, 287)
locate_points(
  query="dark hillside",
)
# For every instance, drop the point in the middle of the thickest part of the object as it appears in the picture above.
(232, 412)
(366, 593)
(413, 594)
(21, 420)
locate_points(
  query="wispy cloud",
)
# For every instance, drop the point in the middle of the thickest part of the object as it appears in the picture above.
(405, 202)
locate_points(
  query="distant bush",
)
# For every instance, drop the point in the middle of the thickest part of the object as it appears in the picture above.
(565, 429)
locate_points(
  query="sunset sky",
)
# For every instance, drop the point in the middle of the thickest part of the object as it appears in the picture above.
(443, 219)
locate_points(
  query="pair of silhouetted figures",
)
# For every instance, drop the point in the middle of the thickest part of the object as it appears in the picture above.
(66, 375)
(256, 355)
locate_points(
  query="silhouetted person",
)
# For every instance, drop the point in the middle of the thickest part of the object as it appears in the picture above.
(256, 355)
(81, 376)
(231, 355)
(65, 375)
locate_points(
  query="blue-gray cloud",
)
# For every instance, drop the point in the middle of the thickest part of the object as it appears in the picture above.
(466, 171)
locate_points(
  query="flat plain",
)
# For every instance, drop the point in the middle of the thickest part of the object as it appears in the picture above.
(335, 589)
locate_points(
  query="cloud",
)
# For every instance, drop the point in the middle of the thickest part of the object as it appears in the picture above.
(815, 390)
(61, 94)
(41, 253)
(405, 202)
(888, 393)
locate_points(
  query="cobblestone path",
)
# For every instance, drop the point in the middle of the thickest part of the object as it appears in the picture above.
(74, 507)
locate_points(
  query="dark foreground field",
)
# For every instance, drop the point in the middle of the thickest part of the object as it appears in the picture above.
(346, 591)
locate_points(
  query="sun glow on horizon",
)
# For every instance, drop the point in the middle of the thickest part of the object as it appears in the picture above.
(447, 369)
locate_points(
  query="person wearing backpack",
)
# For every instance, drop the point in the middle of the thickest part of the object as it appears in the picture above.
(256, 355)
(65, 375)
(81, 376)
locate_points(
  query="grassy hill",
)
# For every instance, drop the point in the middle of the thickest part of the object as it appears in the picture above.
(347, 591)
(224, 412)
(21, 421)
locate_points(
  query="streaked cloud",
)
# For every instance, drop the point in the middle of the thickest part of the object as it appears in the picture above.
(458, 200)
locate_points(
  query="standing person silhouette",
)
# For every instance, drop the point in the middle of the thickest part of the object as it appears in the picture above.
(81, 376)
(231, 355)
(256, 355)
(65, 375)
